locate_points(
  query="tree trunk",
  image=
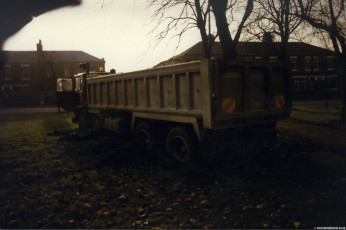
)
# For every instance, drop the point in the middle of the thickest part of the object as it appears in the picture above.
(343, 88)
(227, 44)
(202, 30)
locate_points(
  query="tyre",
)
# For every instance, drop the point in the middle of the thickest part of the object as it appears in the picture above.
(95, 123)
(83, 120)
(143, 136)
(180, 145)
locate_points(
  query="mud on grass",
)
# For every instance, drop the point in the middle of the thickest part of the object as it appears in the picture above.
(67, 180)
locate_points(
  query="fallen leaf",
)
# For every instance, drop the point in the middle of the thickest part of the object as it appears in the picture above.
(13, 221)
(296, 224)
(208, 226)
(260, 205)
(227, 210)
(203, 202)
(193, 221)
(310, 201)
(137, 222)
(246, 207)
(122, 197)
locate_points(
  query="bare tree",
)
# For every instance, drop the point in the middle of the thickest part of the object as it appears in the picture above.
(197, 14)
(220, 9)
(329, 16)
(183, 15)
(50, 69)
(277, 17)
(51, 58)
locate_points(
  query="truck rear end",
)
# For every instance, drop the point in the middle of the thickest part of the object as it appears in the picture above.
(249, 93)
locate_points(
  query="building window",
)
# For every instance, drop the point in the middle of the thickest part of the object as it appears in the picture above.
(316, 63)
(307, 63)
(7, 72)
(25, 72)
(66, 72)
(6, 90)
(332, 81)
(22, 90)
(273, 58)
(293, 60)
(330, 62)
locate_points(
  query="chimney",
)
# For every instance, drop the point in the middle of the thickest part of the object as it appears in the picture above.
(39, 46)
(267, 37)
(267, 45)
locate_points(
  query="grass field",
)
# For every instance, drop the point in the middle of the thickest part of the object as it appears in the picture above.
(28, 159)
(52, 177)
(317, 114)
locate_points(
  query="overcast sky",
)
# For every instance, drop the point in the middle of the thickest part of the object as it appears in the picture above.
(119, 32)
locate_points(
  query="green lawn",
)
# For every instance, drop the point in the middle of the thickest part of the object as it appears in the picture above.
(30, 160)
(316, 114)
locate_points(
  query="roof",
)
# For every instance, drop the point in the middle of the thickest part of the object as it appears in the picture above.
(28, 57)
(245, 49)
(293, 48)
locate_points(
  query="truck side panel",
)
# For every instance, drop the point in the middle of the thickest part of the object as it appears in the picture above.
(215, 93)
(173, 90)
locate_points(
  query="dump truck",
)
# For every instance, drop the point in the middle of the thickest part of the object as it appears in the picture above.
(189, 106)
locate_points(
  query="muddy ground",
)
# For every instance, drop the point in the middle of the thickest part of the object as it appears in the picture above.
(52, 177)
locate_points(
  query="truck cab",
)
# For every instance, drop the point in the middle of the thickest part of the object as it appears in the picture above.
(69, 90)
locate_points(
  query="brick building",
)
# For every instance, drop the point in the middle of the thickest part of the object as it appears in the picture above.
(29, 77)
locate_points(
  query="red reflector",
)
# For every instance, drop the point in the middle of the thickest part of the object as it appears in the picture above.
(280, 101)
(228, 105)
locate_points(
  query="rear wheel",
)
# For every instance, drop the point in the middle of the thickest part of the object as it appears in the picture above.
(95, 123)
(83, 120)
(144, 137)
(180, 145)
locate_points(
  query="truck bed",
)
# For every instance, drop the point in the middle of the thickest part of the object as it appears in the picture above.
(216, 94)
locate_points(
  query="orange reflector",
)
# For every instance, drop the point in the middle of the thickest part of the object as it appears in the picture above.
(228, 105)
(280, 101)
